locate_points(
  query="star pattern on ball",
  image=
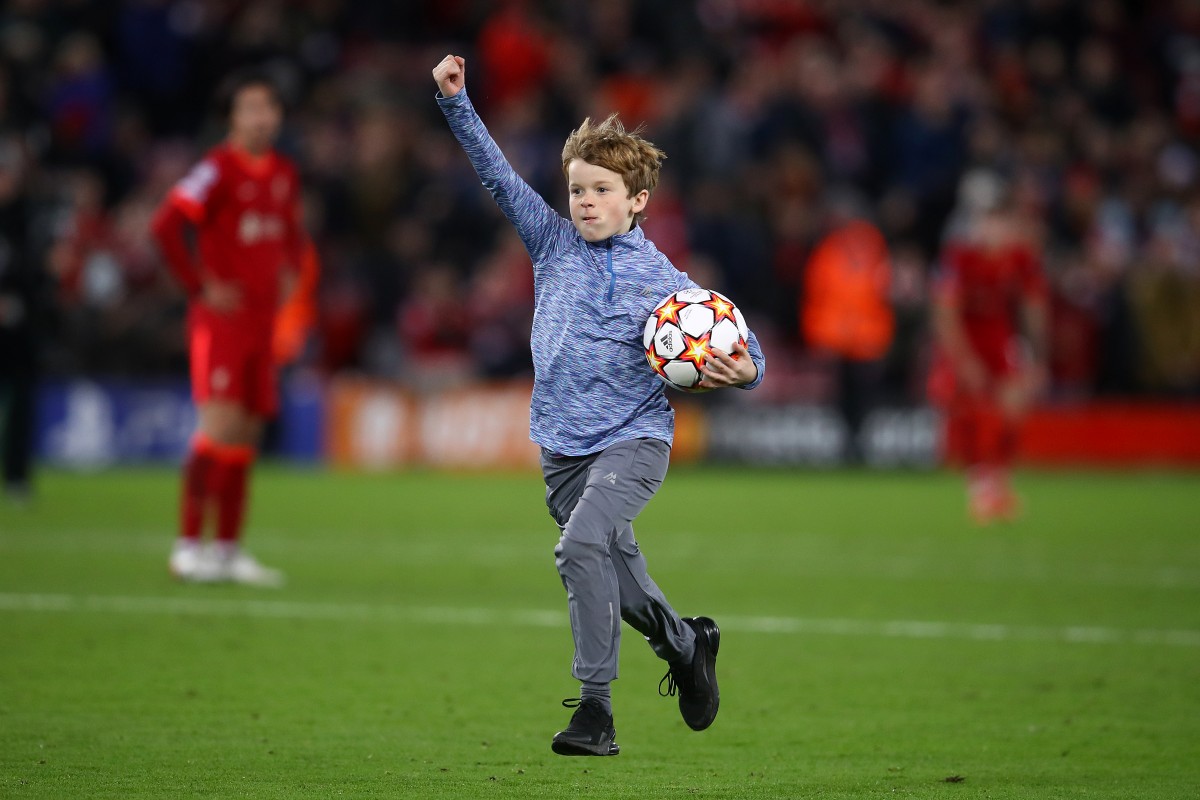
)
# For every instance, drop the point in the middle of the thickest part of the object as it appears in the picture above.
(697, 351)
(656, 362)
(722, 308)
(669, 311)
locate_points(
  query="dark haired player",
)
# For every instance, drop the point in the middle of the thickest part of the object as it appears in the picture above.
(242, 202)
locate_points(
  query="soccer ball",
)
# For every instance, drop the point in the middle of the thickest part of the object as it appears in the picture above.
(682, 329)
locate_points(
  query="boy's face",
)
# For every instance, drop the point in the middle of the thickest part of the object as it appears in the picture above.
(600, 204)
(255, 118)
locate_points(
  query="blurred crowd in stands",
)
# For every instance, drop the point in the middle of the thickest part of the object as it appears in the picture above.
(772, 112)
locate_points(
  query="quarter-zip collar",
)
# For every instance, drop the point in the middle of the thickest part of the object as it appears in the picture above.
(632, 239)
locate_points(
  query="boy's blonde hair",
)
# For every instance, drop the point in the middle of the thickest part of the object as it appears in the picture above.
(626, 153)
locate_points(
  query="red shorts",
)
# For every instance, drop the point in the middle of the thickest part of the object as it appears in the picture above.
(1001, 362)
(232, 361)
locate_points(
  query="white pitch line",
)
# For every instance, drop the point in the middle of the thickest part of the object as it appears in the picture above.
(533, 618)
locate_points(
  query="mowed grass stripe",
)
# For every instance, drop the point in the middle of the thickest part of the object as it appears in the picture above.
(329, 545)
(348, 612)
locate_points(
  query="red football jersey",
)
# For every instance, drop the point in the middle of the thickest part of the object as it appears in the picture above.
(987, 288)
(246, 210)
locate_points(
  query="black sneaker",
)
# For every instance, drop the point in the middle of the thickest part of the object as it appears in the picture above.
(696, 681)
(590, 732)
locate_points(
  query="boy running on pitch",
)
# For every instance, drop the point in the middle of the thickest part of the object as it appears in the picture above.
(598, 412)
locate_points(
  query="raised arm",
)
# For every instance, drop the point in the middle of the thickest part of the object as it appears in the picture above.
(540, 227)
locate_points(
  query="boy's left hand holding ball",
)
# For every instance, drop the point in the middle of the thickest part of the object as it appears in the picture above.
(724, 369)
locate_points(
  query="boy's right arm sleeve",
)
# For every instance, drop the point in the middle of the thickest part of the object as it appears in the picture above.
(538, 225)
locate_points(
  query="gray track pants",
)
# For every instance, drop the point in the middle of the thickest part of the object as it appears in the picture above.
(594, 499)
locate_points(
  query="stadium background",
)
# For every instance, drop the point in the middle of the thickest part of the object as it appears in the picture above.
(420, 354)
(875, 644)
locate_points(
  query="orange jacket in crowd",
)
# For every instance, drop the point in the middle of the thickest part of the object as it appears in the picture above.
(844, 306)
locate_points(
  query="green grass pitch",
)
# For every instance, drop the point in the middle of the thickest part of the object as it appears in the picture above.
(874, 644)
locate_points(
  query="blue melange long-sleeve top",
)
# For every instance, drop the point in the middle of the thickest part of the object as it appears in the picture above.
(592, 386)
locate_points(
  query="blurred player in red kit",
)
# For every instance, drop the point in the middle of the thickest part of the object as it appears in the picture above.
(989, 291)
(242, 202)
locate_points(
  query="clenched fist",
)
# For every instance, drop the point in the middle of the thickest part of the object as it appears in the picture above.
(451, 75)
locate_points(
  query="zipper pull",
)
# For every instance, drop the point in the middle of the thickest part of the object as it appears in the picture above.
(612, 276)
